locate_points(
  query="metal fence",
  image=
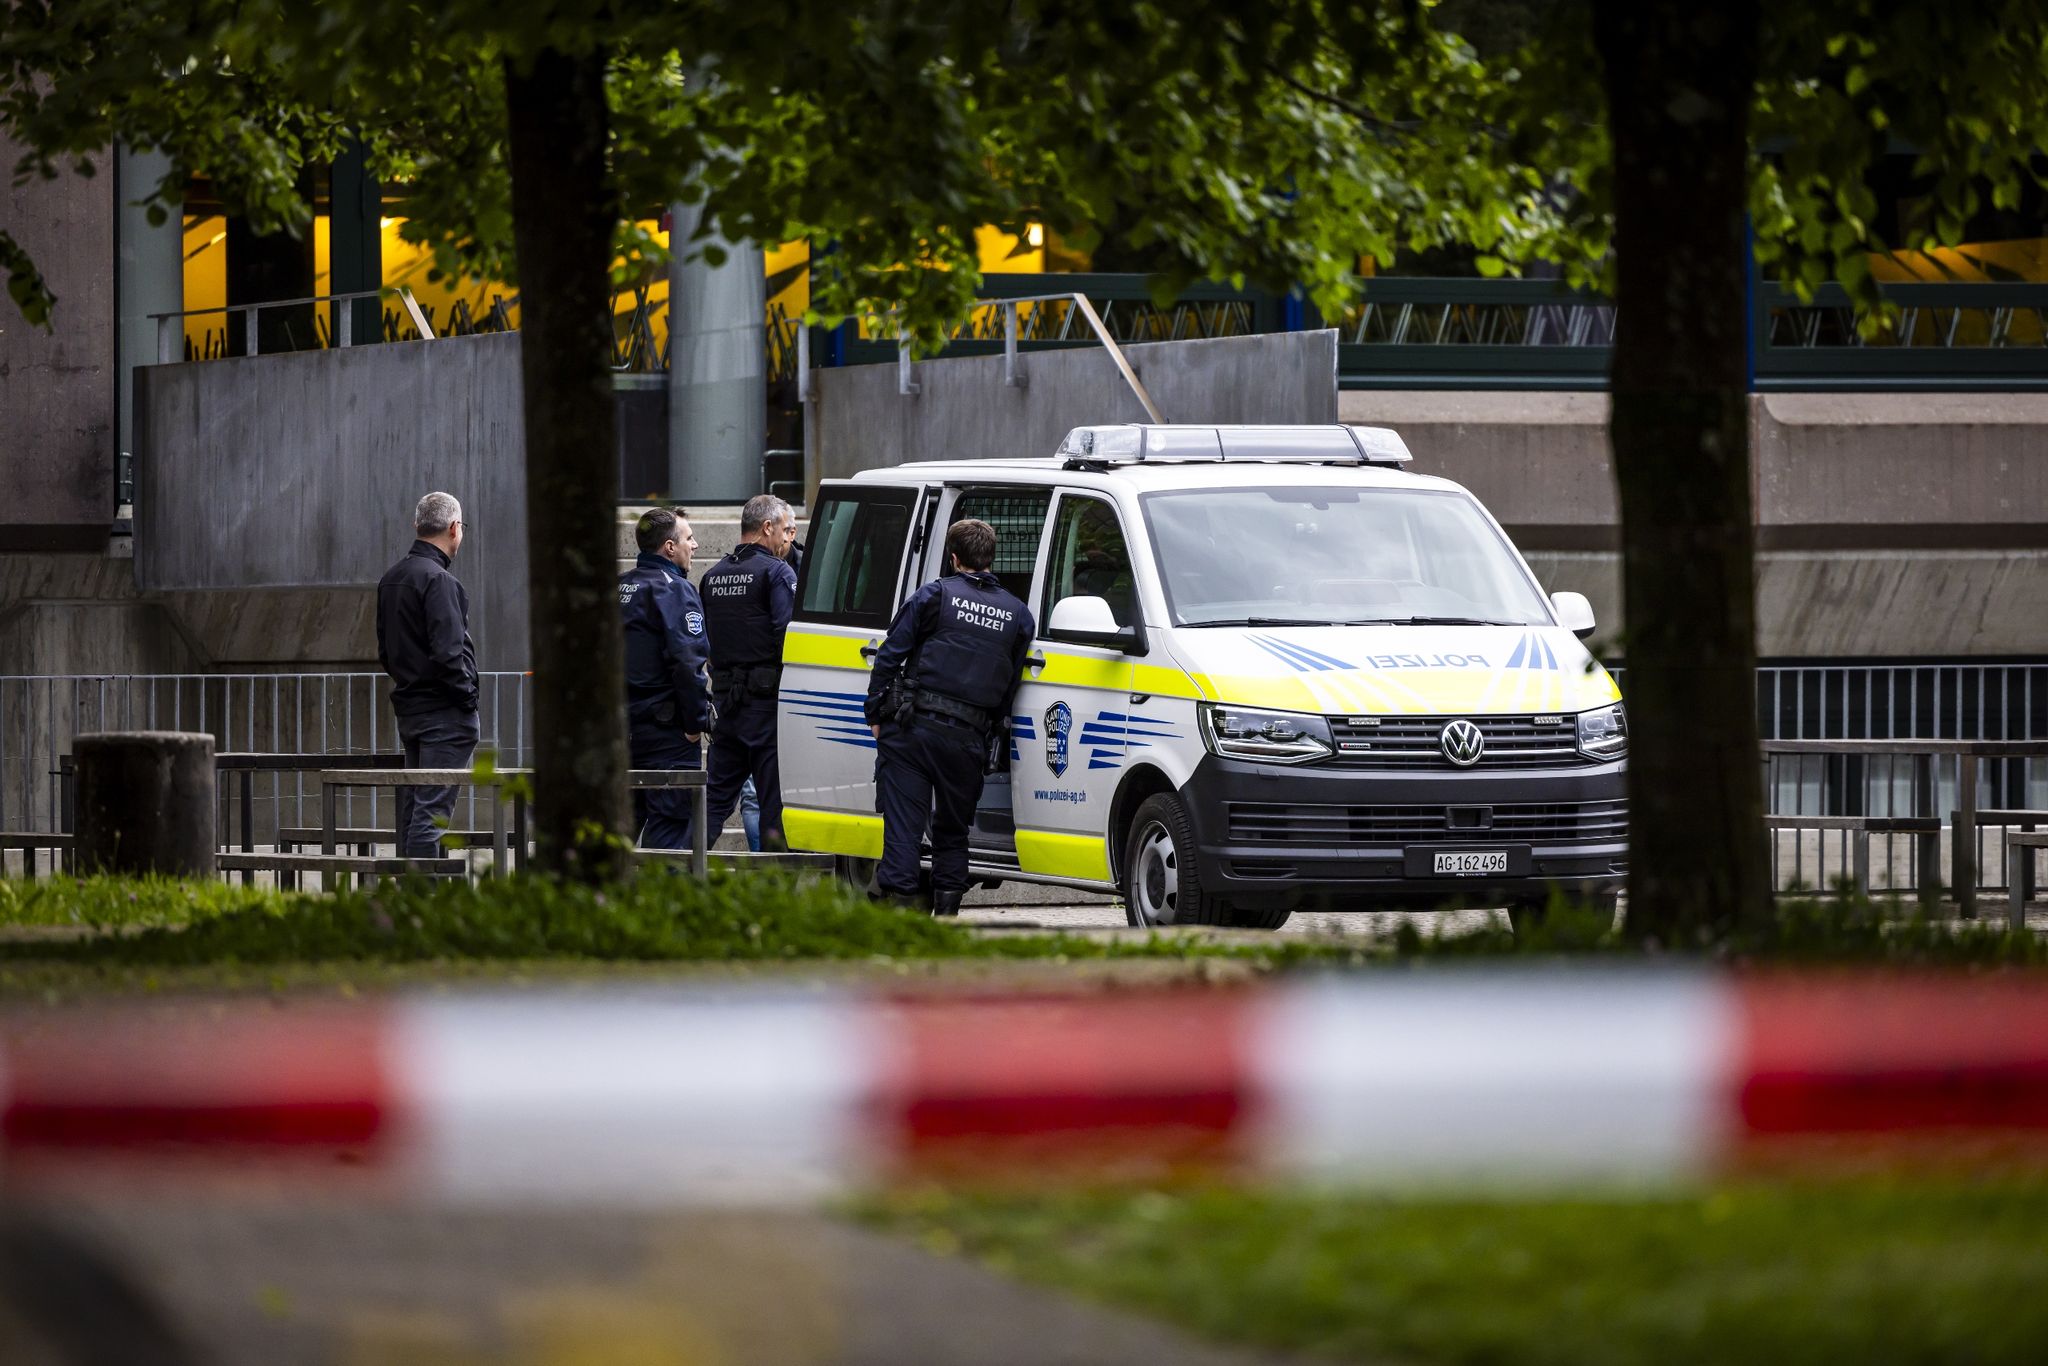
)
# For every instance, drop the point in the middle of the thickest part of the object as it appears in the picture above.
(2007, 700)
(328, 321)
(340, 714)
(350, 714)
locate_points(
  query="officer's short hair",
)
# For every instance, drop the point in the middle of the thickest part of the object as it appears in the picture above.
(436, 513)
(760, 510)
(973, 542)
(655, 529)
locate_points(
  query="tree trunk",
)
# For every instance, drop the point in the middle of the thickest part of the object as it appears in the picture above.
(564, 211)
(1679, 77)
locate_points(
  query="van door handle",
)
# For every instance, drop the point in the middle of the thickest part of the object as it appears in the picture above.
(1034, 660)
(869, 651)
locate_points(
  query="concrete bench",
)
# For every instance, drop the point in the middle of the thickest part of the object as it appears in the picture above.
(361, 836)
(1860, 829)
(340, 865)
(2025, 820)
(741, 858)
(28, 841)
(2019, 857)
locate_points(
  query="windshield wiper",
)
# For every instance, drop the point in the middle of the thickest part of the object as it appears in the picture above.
(1269, 621)
(1428, 621)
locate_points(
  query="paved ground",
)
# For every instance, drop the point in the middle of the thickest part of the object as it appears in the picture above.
(240, 1285)
(1021, 906)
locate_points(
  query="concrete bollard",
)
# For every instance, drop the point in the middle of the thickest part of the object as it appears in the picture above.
(145, 803)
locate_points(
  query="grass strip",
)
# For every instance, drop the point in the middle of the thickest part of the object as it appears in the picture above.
(726, 917)
(111, 903)
(768, 916)
(1801, 931)
(1867, 1271)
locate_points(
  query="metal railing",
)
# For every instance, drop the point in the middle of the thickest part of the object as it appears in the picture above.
(327, 714)
(1933, 701)
(1415, 332)
(1404, 331)
(1423, 332)
(1949, 317)
(173, 345)
(349, 714)
(1012, 311)
(329, 322)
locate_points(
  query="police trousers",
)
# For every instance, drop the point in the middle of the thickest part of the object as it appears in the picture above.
(743, 747)
(927, 775)
(662, 814)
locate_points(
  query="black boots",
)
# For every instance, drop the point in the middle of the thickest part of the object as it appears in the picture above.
(946, 903)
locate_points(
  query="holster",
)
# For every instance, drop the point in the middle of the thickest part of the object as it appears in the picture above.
(899, 704)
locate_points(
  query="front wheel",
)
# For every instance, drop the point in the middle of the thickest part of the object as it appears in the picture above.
(859, 875)
(1162, 884)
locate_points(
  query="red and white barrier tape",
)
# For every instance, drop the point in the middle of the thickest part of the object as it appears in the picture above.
(745, 1097)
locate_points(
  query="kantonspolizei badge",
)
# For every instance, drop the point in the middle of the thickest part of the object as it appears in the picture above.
(693, 622)
(1059, 725)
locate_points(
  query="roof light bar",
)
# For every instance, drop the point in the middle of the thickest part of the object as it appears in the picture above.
(1134, 443)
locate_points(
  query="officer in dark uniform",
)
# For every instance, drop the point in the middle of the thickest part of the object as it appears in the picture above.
(748, 598)
(668, 706)
(943, 682)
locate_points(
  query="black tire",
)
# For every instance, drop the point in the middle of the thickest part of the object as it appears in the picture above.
(1525, 916)
(1256, 918)
(859, 875)
(1161, 883)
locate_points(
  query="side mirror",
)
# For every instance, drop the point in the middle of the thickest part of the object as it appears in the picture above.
(1574, 613)
(1088, 621)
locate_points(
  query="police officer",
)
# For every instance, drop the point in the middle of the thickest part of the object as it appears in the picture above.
(748, 598)
(668, 706)
(943, 682)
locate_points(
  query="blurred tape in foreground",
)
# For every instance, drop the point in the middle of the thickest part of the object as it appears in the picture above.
(752, 1097)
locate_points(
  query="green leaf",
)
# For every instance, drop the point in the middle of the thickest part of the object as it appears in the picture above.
(25, 283)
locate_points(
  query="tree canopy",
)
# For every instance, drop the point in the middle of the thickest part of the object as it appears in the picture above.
(1244, 147)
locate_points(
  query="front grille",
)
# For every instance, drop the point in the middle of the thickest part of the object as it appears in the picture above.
(1411, 741)
(1281, 823)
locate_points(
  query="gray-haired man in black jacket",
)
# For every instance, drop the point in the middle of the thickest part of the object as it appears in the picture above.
(423, 643)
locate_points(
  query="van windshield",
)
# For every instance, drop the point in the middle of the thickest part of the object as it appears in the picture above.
(1335, 556)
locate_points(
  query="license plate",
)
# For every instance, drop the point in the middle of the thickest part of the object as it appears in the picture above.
(1467, 862)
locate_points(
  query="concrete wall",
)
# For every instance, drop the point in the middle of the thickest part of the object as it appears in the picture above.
(964, 410)
(1887, 524)
(57, 404)
(300, 471)
(275, 490)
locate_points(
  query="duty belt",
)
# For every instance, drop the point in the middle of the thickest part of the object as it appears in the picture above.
(937, 704)
(762, 679)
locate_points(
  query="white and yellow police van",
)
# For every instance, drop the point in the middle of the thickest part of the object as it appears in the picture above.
(1273, 669)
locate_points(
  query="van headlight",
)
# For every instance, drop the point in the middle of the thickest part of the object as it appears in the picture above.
(1603, 732)
(1278, 737)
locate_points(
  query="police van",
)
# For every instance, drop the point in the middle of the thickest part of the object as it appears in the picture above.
(1273, 670)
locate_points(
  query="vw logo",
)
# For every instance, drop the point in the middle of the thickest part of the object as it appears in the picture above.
(1462, 743)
